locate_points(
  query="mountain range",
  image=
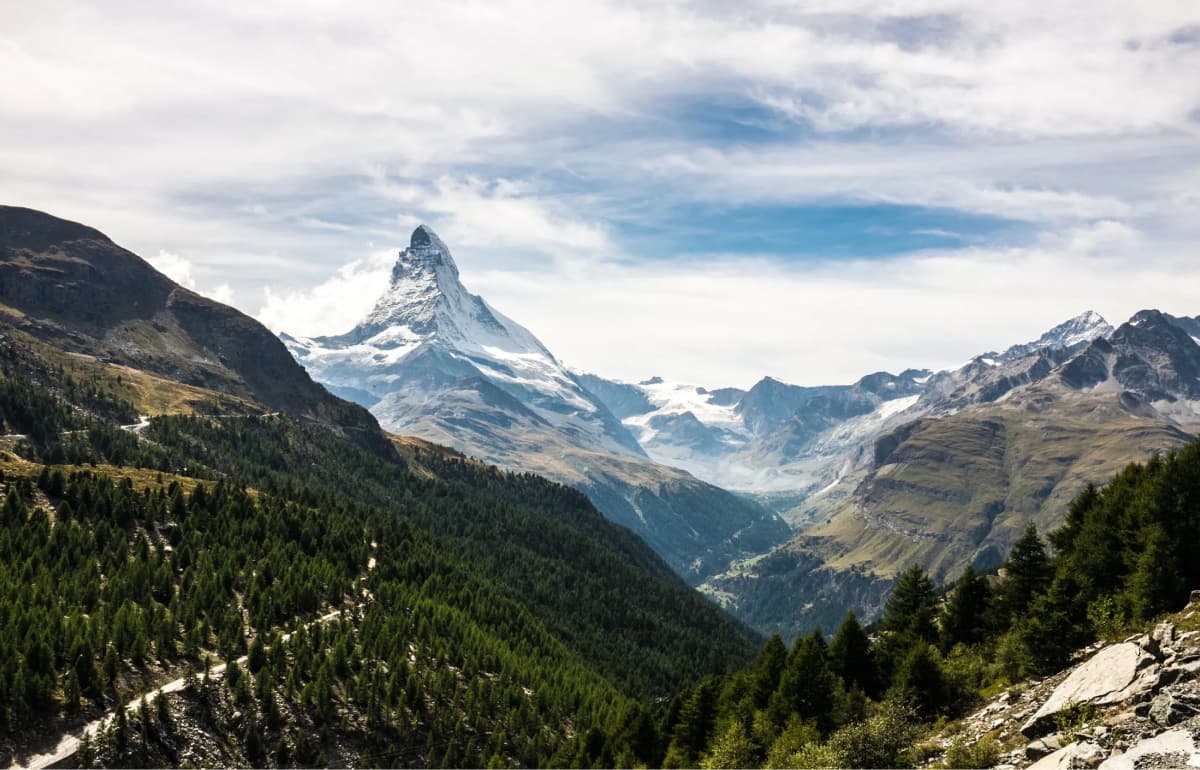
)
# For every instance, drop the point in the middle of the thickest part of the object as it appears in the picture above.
(435, 361)
(942, 468)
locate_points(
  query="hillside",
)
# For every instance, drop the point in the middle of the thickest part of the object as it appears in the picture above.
(1074, 657)
(180, 519)
(73, 287)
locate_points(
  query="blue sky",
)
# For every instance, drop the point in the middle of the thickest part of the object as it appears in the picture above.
(706, 191)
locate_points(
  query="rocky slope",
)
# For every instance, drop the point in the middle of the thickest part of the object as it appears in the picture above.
(70, 285)
(1132, 704)
(433, 360)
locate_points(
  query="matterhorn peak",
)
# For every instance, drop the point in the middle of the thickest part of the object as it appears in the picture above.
(426, 253)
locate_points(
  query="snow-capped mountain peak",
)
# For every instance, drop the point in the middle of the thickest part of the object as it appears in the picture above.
(1081, 329)
(1084, 327)
(426, 332)
(426, 299)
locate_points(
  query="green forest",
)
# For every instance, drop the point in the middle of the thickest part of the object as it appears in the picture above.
(1124, 556)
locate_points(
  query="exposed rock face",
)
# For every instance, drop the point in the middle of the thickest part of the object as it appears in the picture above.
(1112, 675)
(1081, 754)
(1174, 748)
(1140, 704)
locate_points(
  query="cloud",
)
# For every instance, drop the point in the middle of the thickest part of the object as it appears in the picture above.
(499, 214)
(559, 147)
(332, 306)
(174, 267)
(733, 320)
(730, 319)
(180, 270)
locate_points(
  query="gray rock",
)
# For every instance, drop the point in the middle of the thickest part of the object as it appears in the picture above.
(1167, 710)
(1113, 675)
(1045, 746)
(1174, 748)
(1071, 757)
(1164, 633)
(1186, 670)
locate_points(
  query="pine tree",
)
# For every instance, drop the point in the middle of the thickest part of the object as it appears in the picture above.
(256, 752)
(912, 607)
(850, 657)
(693, 727)
(731, 749)
(920, 681)
(964, 616)
(806, 686)
(1027, 573)
(767, 669)
(1157, 580)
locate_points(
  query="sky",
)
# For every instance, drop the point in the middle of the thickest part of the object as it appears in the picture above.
(706, 191)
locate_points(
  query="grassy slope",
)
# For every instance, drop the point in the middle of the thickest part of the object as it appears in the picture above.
(961, 489)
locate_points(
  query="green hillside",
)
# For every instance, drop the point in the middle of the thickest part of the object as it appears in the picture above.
(489, 616)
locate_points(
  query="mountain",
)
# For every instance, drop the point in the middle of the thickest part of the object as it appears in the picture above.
(774, 440)
(987, 448)
(435, 361)
(70, 285)
(403, 607)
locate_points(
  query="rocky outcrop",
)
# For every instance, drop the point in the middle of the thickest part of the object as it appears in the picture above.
(1126, 705)
(1113, 675)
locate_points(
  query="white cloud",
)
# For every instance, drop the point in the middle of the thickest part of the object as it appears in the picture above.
(332, 306)
(270, 142)
(733, 320)
(499, 214)
(175, 267)
(223, 293)
(180, 270)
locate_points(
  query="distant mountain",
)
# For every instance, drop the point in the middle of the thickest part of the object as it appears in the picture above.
(1004, 440)
(433, 360)
(69, 284)
(785, 441)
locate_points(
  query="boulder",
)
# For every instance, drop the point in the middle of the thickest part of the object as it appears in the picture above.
(1164, 633)
(1167, 710)
(1071, 757)
(1113, 675)
(1045, 746)
(1174, 748)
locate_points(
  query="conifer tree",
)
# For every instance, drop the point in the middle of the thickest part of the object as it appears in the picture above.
(920, 681)
(964, 618)
(912, 606)
(1027, 573)
(806, 685)
(850, 657)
